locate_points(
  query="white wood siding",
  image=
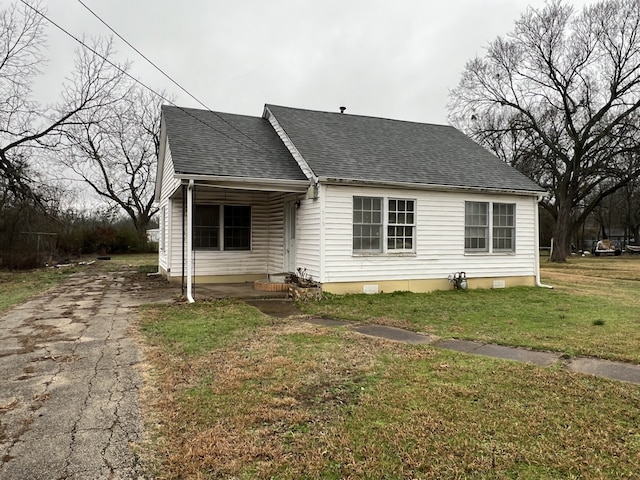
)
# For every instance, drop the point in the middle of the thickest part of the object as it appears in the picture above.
(308, 234)
(267, 234)
(439, 238)
(168, 187)
(169, 182)
(276, 233)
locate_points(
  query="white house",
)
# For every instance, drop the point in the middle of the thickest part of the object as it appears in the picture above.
(362, 203)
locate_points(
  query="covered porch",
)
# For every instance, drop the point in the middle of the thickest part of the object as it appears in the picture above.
(231, 234)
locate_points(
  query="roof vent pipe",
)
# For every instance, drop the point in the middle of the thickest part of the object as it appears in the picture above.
(342, 109)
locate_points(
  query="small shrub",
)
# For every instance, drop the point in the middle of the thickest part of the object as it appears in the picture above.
(598, 322)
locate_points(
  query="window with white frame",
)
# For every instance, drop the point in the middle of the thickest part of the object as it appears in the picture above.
(222, 227)
(485, 232)
(367, 224)
(383, 225)
(401, 224)
(504, 227)
(476, 226)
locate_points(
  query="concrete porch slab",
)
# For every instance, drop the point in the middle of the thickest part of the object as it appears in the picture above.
(218, 291)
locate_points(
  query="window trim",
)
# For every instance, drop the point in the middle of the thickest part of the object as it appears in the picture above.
(354, 225)
(411, 225)
(490, 230)
(477, 227)
(384, 226)
(222, 229)
(512, 228)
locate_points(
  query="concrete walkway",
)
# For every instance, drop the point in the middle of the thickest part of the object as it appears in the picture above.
(624, 372)
(69, 382)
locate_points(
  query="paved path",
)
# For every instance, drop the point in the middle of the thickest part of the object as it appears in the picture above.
(69, 383)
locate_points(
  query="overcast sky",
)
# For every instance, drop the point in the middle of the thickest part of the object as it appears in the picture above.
(393, 58)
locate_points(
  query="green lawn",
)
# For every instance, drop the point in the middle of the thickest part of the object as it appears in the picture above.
(237, 394)
(530, 317)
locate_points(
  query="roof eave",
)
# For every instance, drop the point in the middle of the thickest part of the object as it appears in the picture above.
(428, 186)
(246, 183)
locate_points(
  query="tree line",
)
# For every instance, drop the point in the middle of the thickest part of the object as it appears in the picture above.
(105, 128)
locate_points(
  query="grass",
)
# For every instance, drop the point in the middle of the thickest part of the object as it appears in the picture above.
(16, 287)
(238, 394)
(588, 293)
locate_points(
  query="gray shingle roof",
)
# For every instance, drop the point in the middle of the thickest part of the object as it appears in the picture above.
(352, 147)
(222, 144)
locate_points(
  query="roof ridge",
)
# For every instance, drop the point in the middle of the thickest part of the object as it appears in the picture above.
(372, 117)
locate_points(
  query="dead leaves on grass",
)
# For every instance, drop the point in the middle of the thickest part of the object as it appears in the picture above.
(261, 397)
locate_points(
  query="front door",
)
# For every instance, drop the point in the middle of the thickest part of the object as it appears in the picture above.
(290, 211)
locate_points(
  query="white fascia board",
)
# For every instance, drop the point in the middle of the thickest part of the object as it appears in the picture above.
(160, 165)
(427, 186)
(244, 183)
(295, 153)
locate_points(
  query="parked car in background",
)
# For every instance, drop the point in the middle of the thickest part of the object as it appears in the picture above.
(605, 247)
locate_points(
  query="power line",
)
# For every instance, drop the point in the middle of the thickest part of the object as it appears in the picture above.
(163, 72)
(159, 95)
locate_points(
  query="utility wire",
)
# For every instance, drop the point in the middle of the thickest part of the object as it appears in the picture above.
(163, 72)
(159, 95)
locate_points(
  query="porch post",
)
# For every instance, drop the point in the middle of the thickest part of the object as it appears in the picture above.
(190, 241)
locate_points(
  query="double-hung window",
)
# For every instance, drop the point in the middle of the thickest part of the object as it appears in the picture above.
(367, 224)
(401, 224)
(222, 227)
(383, 225)
(504, 227)
(485, 232)
(476, 227)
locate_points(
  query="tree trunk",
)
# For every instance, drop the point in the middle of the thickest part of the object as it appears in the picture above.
(561, 235)
(142, 225)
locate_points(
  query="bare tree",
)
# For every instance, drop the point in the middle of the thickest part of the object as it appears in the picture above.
(26, 125)
(559, 99)
(115, 153)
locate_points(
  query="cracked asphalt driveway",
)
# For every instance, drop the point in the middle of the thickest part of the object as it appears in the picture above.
(70, 383)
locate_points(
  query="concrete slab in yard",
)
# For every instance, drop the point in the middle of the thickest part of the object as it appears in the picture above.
(624, 372)
(499, 351)
(393, 333)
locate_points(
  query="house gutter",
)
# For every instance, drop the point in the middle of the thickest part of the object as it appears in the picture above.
(537, 243)
(245, 183)
(426, 186)
(190, 241)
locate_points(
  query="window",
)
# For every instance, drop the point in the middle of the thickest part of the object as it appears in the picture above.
(478, 223)
(367, 224)
(401, 224)
(233, 221)
(206, 227)
(476, 226)
(504, 227)
(377, 229)
(237, 228)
